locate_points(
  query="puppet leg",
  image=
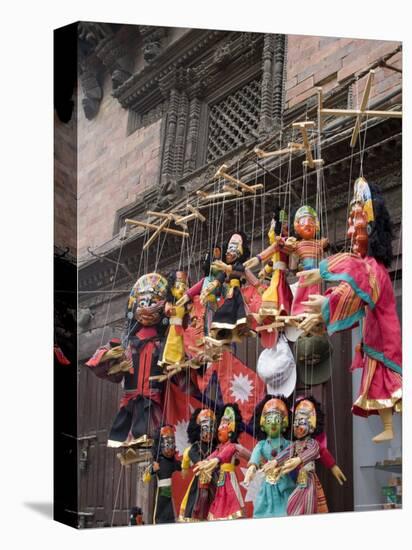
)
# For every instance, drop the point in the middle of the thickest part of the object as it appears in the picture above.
(387, 434)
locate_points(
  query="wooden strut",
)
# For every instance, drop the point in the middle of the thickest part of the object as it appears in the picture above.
(358, 113)
(221, 173)
(153, 226)
(289, 149)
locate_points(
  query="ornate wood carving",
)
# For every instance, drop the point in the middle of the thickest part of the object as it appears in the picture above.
(192, 136)
(152, 38)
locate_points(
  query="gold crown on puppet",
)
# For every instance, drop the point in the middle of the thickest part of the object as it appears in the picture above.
(274, 405)
(307, 408)
(205, 414)
(307, 210)
(151, 283)
(362, 195)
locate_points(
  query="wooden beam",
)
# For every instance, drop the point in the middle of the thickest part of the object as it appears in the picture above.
(303, 126)
(356, 112)
(156, 233)
(221, 173)
(153, 226)
(363, 105)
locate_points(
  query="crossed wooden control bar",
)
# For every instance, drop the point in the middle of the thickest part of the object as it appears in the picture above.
(358, 113)
(168, 217)
(229, 190)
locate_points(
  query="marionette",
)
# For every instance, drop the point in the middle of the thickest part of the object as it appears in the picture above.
(201, 433)
(173, 351)
(229, 322)
(308, 250)
(141, 403)
(209, 291)
(300, 455)
(277, 298)
(163, 466)
(228, 501)
(109, 362)
(136, 516)
(364, 295)
(272, 497)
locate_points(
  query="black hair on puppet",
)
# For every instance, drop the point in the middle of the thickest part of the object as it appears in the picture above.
(156, 451)
(276, 210)
(208, 259)
(239, 426)
(193, 428)
(380, 231)
(319, 413)
(245, 245)
(254, 423)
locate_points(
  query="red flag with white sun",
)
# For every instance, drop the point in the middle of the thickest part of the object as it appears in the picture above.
(236, 382)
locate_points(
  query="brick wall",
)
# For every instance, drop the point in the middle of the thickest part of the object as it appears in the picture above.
(327, 62)
(113, 168)
(65, 185)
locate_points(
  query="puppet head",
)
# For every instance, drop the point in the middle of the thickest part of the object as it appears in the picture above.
(167, 441)
(279, 224)
(308, 418)
(229, 425)
(177, 285)
(206, 420)
(369, 224)
(237, 249)
(147, 299)
(306, 223)
(274, 419)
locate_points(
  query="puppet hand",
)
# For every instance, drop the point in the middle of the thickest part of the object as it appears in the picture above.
(309, 277)
(291, 465)
(310, 322)
(270, 465)
(251, 263)
(183, 300)
(338, 474)
(221, 266)
(250, 474)
(208, 290)
(314, 303)
(291, 241)
(206, 466)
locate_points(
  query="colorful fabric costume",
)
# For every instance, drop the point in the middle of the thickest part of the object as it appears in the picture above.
(304, 498)
(201, 491)
(163, 509)
(365, 295)
(272, 497)
(141, 404)
(228, 502)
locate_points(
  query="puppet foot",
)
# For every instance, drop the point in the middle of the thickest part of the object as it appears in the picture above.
(386, 435)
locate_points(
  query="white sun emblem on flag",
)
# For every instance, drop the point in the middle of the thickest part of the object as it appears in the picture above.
(181, 436)
(241, 387)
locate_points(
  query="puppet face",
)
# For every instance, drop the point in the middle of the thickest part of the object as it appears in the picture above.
(304, 423)
(234, 249)
(206, 420)
(148, 298)
(274, 419)
(180, 285)
(358, 229)
(305, 227)
(227, 425)
(167, 442)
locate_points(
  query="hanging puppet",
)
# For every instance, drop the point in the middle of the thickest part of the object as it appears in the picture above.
(300, 455)
(229, 323)
(173, 351)
(277, 298)
(365, 295)
(273, 417)
(207, 288)
(308, 250)
(228, 501)
(201, 433)
(141, 404)
(163, 466)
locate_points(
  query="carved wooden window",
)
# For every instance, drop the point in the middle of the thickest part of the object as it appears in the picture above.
(234, 120)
